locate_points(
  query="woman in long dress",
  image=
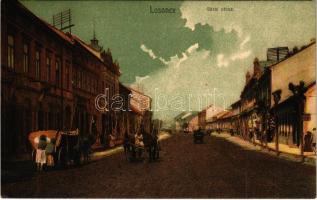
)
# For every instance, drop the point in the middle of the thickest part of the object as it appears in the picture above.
(40, 152)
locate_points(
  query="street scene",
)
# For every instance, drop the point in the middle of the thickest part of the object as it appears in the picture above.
(217, 172)
(158, 99)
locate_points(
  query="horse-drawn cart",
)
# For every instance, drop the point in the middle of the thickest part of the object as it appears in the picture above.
(198, 136)
(135, 151)
(67, 146)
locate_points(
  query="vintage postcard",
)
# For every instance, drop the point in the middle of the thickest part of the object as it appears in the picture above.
(158, 99)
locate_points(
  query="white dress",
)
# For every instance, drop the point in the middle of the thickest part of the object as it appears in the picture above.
(40, 156)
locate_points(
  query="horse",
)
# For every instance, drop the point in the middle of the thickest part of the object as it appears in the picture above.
(151, 146)
(134, 152)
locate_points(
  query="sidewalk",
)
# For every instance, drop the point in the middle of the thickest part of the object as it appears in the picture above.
(108, 152)
(284, 150)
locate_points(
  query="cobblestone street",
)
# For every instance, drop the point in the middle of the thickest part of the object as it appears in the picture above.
(215, 169)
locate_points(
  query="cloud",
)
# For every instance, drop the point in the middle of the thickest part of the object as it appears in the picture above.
(178, 60)
(192, 48)
(192, 76)
(221, 61)
(149, 51)
(139, 79)
(163, 61)
(241, 55)
(261, 25)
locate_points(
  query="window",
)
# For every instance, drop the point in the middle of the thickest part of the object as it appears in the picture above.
(89, 84)
(26, 58)
(79, 79)
(10, 51)
(37, 65)
(57, 72)
(48, 68)
(67, 75)
(75, 78)
(84, 82)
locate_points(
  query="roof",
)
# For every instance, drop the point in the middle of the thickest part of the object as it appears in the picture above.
(228, 114)
(136, 110)
(237, 103)
(186, 115)
(137, 91)
(305, 47)
(220, 114)
(87, 47)
(189, 115)
(58, 33)
(96, 54)
(70, 38)
(267, 63)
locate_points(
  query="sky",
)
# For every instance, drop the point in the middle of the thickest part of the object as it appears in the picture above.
(191, 58)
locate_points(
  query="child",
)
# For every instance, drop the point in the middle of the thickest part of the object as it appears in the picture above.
(49, 151)
(40, 153)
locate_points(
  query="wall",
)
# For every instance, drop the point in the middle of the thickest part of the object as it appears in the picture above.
(300, 66)
(310, 108)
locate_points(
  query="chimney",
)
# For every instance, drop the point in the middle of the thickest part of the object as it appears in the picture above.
(247, 77)
(257, 68)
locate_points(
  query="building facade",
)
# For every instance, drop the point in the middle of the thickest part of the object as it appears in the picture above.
(282, 91)
(36, 68)
(300, 66)
(50, 79)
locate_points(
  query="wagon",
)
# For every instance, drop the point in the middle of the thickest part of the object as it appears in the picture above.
(135, 152)
(198, 136)
(67, 146)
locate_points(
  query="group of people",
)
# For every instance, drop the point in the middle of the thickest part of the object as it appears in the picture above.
(138, 142)
(141, 142)
(45, 152)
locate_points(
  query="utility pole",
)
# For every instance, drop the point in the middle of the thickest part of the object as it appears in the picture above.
(276, 98)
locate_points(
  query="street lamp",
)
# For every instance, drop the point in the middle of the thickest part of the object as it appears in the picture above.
(276, 99)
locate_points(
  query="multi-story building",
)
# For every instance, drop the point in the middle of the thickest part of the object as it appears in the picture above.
(202, 118)
(49, 80)
(141, 104)
(95, 73)
(255, 96)
(284, 89)
(36, 68)
(299, 66)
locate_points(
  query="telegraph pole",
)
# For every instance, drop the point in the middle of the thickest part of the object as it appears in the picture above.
(276, 98)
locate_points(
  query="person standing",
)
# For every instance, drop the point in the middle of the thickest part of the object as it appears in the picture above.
(40, 152)
(314, 139)
(49, 151)
(126, 142)
(138, 138)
